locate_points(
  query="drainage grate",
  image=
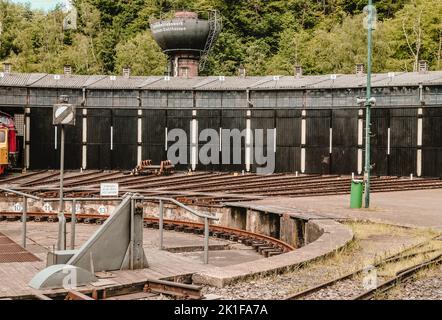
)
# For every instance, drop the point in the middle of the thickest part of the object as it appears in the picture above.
(12, 252)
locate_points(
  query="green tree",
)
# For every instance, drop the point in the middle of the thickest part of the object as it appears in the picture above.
(142, 55)
(266, 36)
(415, 34)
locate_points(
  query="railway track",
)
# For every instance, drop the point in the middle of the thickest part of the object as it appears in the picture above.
(350, 286)
(150, 289)
(210, 188)
(264, 245)
(400, 277)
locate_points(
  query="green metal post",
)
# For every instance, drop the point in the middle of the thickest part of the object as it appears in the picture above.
(368, 107)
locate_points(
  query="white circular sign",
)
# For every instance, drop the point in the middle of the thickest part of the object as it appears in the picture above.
(47, 207)
(18, 207)
(102, 209)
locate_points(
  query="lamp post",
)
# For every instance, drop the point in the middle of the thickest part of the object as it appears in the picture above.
(61, 245)
(368, 103)
(63, 115)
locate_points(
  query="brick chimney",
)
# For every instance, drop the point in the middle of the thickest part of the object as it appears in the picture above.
(423, 66)
(242, 71)
(126, 72)
(360, 69)
(67, 69)
(7, 67)
(298, 71)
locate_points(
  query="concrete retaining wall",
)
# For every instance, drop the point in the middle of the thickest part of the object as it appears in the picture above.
(334, 236)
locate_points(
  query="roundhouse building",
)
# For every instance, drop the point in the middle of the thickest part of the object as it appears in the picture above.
(319, 125)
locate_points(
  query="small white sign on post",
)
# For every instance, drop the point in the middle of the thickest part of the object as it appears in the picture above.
(109, 190)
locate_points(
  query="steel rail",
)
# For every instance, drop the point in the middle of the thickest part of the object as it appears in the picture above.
(186, 181)
(174, 201)
(49, 175)
(132, 291)
(127, 178)
(400, 277)
(98, 218)
(389, 259)
(74, 176)
(21, 176)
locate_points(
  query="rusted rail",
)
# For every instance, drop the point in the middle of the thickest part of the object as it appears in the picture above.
(185, 291)
(258, 241)
(212, 188)
(400, 277)
(402, 255)
(75, 295)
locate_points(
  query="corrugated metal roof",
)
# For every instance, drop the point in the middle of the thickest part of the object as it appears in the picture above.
(118, 82)
(410, 78)
(288, 82)
(171, 83)
(232, 83)
(64, 81)
(150, 80)
(19, 79)
(220, 82)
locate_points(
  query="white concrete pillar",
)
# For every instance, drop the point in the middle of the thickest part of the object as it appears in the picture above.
(331, 141)
(419, 142)
(303, 139)
(274, 140)
(359, 161)
(27, 130)
(84, 141)
(112, 138)
(360, 140)
(140, 136)
(388, 141)
(55, 137)
(419, 163)
(194, 140)
(220, 139)
(248, 140)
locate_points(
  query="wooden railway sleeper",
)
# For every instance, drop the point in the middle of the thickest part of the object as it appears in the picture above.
(261, 249)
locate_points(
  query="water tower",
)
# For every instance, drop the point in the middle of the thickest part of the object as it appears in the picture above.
(187, 40)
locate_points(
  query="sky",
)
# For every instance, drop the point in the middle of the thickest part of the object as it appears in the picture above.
(41, 4)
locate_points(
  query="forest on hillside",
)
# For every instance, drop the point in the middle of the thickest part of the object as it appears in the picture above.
(265, 36)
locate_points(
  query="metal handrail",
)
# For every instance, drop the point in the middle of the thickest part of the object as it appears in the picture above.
(174, 201)
(81, 199)
(27, 195)
(134, 197)
(192, 211)
(24, 210)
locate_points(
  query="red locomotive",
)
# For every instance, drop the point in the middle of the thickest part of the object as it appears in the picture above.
(8, 142)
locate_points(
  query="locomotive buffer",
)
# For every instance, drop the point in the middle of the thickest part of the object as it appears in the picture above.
(63, 115)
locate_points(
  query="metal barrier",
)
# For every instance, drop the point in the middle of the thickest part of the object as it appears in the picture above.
(74, 211)
(135, 197)
(25, 210)
(192, 211)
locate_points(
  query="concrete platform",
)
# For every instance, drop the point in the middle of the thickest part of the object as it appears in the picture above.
(14, 277)
(333, 237)
(417, 209)
(230, 263)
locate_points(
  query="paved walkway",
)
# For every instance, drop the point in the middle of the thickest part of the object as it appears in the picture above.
(14, 277)
(421, 208)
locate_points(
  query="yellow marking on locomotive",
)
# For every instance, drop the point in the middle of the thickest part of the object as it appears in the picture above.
(4, 159)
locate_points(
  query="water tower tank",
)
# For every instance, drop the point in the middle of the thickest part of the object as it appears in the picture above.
(187, 40)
